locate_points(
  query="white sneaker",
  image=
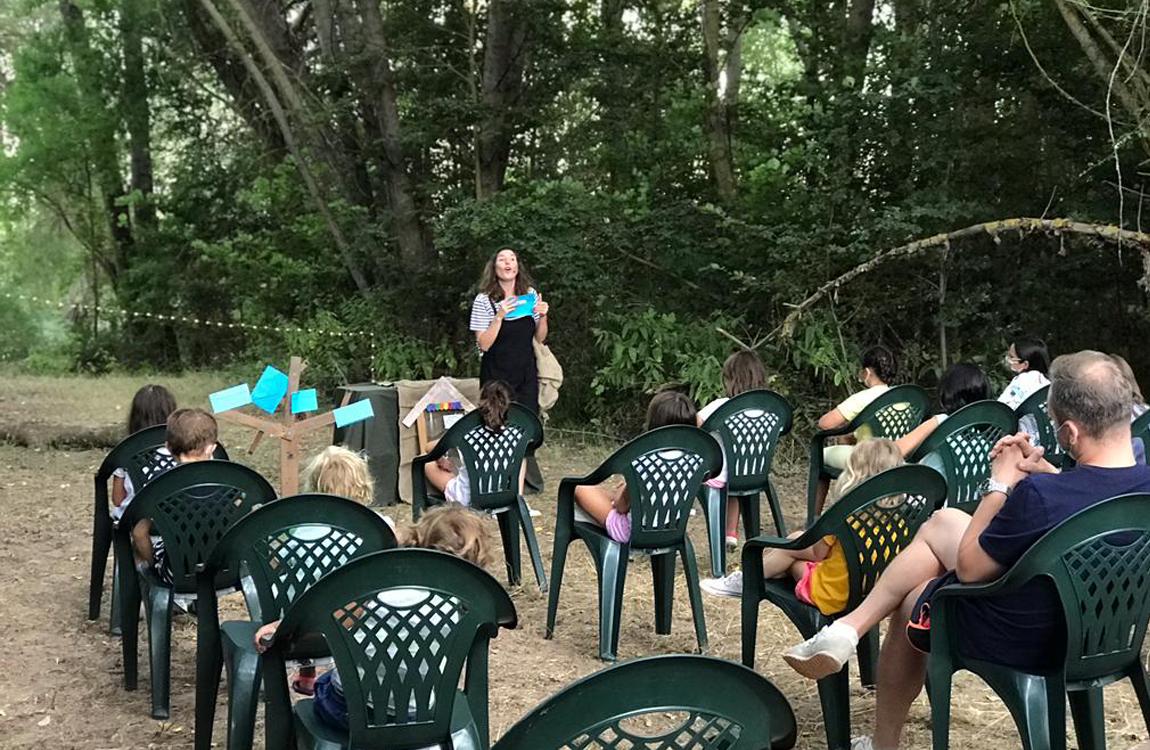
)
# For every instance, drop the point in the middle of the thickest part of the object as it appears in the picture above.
(824, 653)
(862, 743)
(732, 542)
(729, 585)
(533, 513)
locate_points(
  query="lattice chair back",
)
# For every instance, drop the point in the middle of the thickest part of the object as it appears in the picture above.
(191, 506)
(401, 626)
(140, 456)
(960, 449)
(1140, 428)
(877, 519)
(663, 469)
(1034, 407)
(895, 413)
(655, 703)
(280, 550)
(749, 427)
(1099, 561)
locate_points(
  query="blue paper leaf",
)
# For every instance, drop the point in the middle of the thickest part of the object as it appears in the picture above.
(353, 412)
(303, 401)
(270, 389)
(231, 398)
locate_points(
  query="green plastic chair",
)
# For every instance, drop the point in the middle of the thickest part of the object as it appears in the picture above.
(892, 415)
(191, 506)
(493, 461)
(137, 454)
(1104, 584)
(277, 552)
(663, 470)
(873, 522)
(748, 427)
(401, 626)
(959, 448)
(1140, 428)
(1035, 408)
(617, 707)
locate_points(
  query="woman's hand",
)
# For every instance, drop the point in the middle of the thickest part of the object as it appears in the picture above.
(505, 306)
(541, 307)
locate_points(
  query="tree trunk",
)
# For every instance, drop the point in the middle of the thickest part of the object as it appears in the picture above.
(504, 59)
(857, 34)
(101, 136)
(716, 118)
(137, 112)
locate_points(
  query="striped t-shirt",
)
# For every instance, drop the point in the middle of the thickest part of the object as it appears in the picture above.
(483, 311)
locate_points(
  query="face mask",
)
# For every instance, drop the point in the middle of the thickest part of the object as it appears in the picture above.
(1011, 363)
(1058, 438)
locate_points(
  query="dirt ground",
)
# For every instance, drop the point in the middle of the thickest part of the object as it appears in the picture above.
(60, 675)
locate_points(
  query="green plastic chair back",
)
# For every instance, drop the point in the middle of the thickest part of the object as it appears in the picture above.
(139, 455)
(401, 626)
(892, 415)
(960, 449)
(191, 506)
(493, 459)
(663, 469)
(1140, 428)
(749, 427)
(875, 521)
(277, 551)
(617, 707)
(1099, 561)
(1035, 408)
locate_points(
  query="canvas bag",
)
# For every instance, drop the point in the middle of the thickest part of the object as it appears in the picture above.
(550, 375)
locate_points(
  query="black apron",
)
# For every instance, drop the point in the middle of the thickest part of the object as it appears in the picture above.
(512, 359)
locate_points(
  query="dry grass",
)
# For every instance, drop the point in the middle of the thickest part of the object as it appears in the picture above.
(60, 675)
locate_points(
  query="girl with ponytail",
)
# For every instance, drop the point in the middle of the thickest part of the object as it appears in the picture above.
(494, 403)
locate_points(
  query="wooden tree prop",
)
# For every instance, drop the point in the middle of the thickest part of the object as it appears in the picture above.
(288, 428)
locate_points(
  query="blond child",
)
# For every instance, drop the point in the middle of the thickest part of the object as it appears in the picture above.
(819, 571)
(338, 471)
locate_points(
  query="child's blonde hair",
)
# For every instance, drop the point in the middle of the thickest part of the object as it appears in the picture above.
(455, 529)
(339, 471)
(867, 459)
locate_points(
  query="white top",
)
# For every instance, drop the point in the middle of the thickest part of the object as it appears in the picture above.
(704, 413)
(1021, 388)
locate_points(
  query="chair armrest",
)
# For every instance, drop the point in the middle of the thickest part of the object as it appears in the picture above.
(807, 539)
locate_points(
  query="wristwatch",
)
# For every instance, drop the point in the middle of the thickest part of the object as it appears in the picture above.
(993, 485)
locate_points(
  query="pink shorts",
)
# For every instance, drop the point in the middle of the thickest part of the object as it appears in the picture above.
(618, 525)
(803, 585)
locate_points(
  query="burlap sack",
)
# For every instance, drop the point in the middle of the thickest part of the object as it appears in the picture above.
(410, 391)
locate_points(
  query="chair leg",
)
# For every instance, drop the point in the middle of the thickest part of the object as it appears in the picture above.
(1142, 691)
(129, 612)
(558, 560)
(115, 615)
(243, 696)
(938, 689)
(509, 531)
(1038, 706)
(1089, 718)
(715, 514)
(663, 577)
(694, 593)
(532, 544)
(750, 626)
(752, 520)
(612, 576)
(776, 511)
(835, 696)
(868, 650)
(160, 647)
(101, 542)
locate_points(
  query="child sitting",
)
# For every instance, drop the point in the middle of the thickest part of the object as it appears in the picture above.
(494, 403)
(191, 436)
(151, 406)
(819, 571)
(962, 383)
(878, 369)
(609, 506)
(742, 371)
(449, 528)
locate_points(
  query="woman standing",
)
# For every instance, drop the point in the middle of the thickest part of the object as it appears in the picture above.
(505, 349)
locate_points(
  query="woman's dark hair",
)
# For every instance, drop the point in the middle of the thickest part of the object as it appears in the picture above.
(152, 405)
(880, 360)
(670, 406)
(489, 280)
(743, 371)
(963, 383)
(494, 401)
(1033, 353)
